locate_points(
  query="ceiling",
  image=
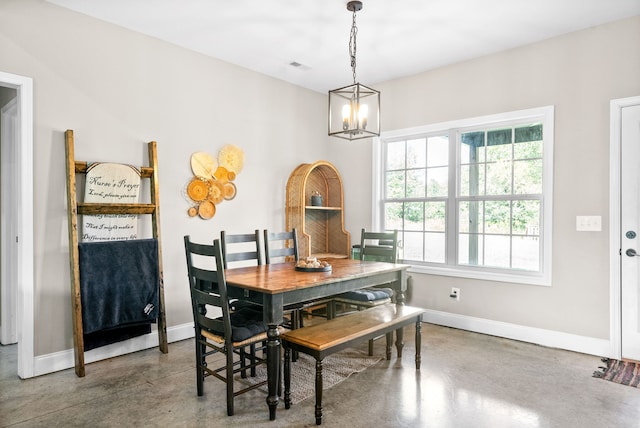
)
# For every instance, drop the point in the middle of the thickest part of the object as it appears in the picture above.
(395, 38)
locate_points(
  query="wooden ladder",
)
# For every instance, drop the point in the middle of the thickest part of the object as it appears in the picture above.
(74, 167)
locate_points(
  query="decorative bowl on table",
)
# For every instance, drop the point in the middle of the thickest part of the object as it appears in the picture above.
(312, 264)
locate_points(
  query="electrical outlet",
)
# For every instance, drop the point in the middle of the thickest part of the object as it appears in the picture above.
(455, 293)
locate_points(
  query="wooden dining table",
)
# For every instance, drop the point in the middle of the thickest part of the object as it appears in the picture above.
(275, 286)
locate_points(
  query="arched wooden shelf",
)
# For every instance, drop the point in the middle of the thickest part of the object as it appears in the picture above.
(321, 230)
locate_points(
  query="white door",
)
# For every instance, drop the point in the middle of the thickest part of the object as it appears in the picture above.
(630, 231)
(8, 230)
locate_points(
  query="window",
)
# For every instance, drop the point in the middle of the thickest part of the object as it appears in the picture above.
(471, 198)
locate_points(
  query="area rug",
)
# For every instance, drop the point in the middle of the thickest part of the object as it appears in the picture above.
(622, 372)
(335, 369)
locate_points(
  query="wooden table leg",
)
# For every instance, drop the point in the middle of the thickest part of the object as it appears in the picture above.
(273, 368)
(399, 341)
(389, 340)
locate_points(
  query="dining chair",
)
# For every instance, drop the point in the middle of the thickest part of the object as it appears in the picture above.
(230, 333)
(374, 246)
(283, 247)
(244, 249)
(241, 247)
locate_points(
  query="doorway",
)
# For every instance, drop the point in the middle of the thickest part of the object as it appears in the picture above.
(625, 228)
(17, 218)
(8, 263)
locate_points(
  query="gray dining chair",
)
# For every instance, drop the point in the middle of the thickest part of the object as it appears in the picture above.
(281, 245)
(284, 246)
(374, 246)
(243, 247)
(229, 334)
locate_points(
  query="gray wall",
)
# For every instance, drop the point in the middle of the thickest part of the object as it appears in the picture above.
(118, 89)
(579, 74)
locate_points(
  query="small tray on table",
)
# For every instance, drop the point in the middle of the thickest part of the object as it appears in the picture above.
(318, 269)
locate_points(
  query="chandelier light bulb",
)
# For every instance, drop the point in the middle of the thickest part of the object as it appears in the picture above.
(363, 110)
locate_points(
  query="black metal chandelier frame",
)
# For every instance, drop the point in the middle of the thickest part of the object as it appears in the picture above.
(354, 110)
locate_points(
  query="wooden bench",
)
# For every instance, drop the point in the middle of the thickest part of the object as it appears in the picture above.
(321, 340)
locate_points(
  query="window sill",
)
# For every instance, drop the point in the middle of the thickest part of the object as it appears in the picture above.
(516, 278)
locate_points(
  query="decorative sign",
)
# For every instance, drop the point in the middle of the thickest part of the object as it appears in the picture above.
(111, 183)
(213, 180)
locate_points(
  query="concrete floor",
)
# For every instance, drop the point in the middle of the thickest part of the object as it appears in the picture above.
(467, 380)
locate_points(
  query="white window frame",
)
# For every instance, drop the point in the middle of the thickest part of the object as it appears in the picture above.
(541, 114)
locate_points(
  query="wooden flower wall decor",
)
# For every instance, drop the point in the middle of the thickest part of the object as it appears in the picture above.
(213, 180)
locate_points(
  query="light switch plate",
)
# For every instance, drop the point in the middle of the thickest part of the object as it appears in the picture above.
(588, 223)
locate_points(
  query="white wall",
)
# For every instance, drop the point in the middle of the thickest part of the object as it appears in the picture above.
(579, 73)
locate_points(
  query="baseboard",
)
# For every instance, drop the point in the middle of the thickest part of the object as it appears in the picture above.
(549, 338)
(63, 360)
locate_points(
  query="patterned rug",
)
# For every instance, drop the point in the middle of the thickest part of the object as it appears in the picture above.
(622, 372)
(335, 369)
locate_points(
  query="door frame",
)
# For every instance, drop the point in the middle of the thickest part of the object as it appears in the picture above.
(22, 192)
(615, 246)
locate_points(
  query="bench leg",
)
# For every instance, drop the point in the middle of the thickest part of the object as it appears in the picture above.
(287, 377)
(418, 341)
(318, 392)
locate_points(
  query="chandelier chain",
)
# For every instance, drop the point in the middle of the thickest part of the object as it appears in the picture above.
(352, 45)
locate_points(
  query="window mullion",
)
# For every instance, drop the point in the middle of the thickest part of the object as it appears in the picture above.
(451, 244)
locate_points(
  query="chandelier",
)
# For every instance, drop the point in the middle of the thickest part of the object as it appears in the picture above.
(354, 110)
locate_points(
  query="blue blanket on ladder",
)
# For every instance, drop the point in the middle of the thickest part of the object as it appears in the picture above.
(119, 283)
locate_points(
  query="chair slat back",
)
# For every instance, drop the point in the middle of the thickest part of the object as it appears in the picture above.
(201, 300)
(246, 246)
(382, 246)
(208, 286)
(282, 245)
